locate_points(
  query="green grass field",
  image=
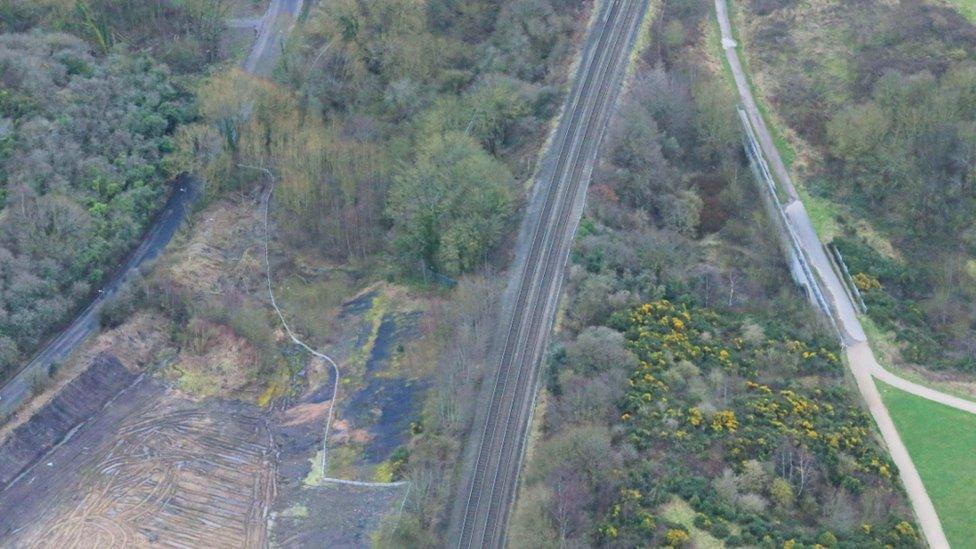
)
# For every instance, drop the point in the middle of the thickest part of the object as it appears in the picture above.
(942, 443)
(966, 7)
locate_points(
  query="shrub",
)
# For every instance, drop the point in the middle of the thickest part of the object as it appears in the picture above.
(676, 537)
(781, 492)
(720, 529)
(752, 503)
(734, 540)
(121, 305)
(827, 539)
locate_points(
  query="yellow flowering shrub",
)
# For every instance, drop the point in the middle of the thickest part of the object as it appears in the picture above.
(684, 355)
(866, 282)
(725, 421)
(677, 538)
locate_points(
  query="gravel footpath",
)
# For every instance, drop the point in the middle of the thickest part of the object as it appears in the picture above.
(860, 358)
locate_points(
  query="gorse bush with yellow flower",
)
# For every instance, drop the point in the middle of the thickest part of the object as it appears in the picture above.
(692, 391)
(743, 418)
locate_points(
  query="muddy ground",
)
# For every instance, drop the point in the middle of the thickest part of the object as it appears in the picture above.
(129, 453)
(76, 403)
(151, 468)
(310, 511)
(334, 515)
(121, 457)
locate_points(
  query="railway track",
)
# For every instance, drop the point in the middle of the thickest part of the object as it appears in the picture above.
(482, 505)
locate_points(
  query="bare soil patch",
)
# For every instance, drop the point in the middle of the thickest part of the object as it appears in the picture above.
(223, 254)
(78, 402)
(151, 469)
(137, 344)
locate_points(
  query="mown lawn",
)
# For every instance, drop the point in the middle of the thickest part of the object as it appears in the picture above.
(942, 443)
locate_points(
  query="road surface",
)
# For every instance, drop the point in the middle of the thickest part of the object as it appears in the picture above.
(273, 28)
(19, 388)
(861, 359)
(279, 19)
(496, 444)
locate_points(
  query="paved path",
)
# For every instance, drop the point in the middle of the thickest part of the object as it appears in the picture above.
(278, 19)
(273, 29)
(861, 359)
(830, 282)
(748, 103)
(864, 366)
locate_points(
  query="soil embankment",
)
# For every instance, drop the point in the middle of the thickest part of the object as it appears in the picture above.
(150, 467)
(81, 399)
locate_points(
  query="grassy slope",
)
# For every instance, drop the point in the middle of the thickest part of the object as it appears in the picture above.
(678, 510)
(966, 7)
(942, 443)
(823, 213)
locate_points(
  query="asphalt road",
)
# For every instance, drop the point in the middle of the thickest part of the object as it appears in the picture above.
(18, 389)
(495, 448)
(278, 20)
(860, 358)
(273, 28)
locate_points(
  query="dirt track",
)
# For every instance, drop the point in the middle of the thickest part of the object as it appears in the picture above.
(135, 463)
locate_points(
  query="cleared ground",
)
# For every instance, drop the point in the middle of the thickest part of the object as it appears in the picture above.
(151, 469)
(169, 461)
(942, 443)
(334, 515)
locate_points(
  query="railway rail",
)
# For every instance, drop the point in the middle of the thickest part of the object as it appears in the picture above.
(484, 500)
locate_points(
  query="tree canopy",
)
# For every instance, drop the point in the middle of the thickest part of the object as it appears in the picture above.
(451, 206)
(83, 147)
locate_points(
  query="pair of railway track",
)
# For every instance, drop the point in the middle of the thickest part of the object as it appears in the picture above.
(482, 505)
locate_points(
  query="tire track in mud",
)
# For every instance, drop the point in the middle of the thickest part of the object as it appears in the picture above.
(197, 477)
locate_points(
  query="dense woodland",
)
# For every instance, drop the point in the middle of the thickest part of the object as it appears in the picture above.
(83, 142)
(441, 106)
(691, 373)
(183, 34)
(884, 96)
(92, 94)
